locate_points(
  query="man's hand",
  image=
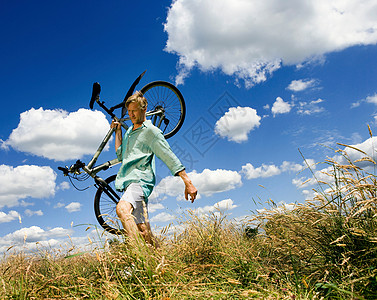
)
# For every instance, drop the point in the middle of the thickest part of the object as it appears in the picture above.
(190, 189)
(118, 133)
(116, 125)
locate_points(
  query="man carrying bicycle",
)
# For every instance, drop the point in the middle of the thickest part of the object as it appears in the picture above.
(136, 177)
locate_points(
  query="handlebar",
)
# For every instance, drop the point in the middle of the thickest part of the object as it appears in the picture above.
(75, 168)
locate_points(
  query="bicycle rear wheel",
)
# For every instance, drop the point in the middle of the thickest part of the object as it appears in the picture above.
(105, 209)
(164, 95)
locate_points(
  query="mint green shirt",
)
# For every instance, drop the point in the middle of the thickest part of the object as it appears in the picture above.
(137, 154)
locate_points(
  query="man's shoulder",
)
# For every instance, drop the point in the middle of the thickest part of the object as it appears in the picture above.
(150, 128)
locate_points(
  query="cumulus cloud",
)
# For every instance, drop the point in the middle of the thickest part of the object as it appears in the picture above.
(25, 181)
(57, 134)
(301, 85)
(265, 170)
(280, 107)
(73, 207)
(163, 217)
(152, 207)
(33, 236)
(359, 158)
(236, 123)
(325, 175)
(8, 217)
(371, 99)
(251, 39)
(218, 207)
(207, 182)
(368, 147)
(64, 186)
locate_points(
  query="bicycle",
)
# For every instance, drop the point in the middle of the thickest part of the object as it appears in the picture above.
(168, 113)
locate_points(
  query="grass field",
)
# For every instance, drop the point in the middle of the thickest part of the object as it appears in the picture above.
(325, 248)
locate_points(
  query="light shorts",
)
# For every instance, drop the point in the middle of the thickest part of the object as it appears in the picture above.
(135, 196)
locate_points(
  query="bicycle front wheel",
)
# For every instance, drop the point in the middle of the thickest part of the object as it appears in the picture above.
(105, 208)
(164, 95)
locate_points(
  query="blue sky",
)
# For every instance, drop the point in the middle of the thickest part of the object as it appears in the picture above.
(262, 83)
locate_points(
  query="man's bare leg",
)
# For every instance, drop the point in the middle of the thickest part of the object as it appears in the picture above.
(124, 211)
(134, 231)
(146, 233)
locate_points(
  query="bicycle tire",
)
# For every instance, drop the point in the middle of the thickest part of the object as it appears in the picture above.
(166, 95)
(105, 209)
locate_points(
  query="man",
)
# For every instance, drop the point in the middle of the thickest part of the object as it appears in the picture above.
(136, 177)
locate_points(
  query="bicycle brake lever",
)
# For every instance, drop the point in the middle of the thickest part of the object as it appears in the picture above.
(64, 170)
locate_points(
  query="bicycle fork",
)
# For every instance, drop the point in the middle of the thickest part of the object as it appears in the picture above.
(107, 189)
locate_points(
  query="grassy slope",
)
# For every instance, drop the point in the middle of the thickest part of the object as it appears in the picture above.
(323, 249)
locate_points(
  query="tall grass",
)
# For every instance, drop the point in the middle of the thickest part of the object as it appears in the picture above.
(330, 242)
(325, 248)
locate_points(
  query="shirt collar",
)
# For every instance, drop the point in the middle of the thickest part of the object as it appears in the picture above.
(146, 124)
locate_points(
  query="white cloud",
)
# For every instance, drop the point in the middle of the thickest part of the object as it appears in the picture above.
(73, 207)
(280, 107)
(57, 134)
(25, 181)
(250, 39)
(323, 175)
(25, 204)
(369, 99)
(303, 182)
(30, 213)
(236, 123)
(369, 147)
(64, 186)
(33, 237)
(265, 170)
(59, 205)
(309, 108)
(287, 166)
(301, 85)
(163, 217)
(152, 207)
(3, 145)
(8, 217)
(218, 207)
(208, 182)
(280, 207)
(326, 175)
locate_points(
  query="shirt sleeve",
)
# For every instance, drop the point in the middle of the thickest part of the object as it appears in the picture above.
(162, 150)
(119, 153)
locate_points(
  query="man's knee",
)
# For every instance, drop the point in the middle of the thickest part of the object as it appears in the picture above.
(124, 208)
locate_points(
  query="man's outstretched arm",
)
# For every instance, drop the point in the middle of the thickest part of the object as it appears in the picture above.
(190, 189)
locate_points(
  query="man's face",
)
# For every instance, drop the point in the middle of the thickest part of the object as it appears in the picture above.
(136, 114)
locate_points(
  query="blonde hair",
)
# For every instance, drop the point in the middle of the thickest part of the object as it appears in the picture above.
(139, 99)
